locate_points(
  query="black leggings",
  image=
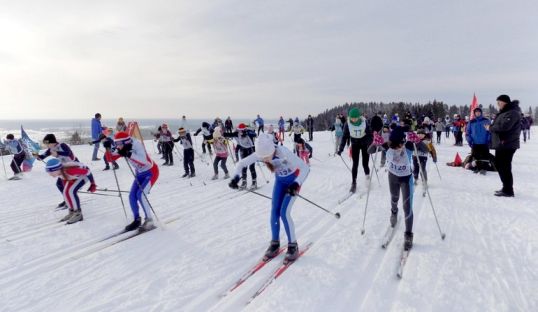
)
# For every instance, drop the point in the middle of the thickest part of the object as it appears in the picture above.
(405, 185)
(222, 164)
(355, 152)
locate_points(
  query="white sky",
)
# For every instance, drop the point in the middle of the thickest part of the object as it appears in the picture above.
(152, 59)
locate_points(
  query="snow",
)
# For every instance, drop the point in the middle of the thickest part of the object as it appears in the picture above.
(212, 235)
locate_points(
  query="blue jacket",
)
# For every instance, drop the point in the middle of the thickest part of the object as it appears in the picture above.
(259, 121)
(476, 132)
(96, 128)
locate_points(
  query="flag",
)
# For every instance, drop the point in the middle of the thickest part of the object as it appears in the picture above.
(474, 105)
(29, 147)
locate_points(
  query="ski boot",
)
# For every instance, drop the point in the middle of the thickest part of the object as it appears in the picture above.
(243, 185)
(133, 226)
(367, 177)
(393, 218)
(292, 254)
(75, 217)
(192, 175)
(62, 205)
(226, 176)
(254, 185)
(115, 166)
(215, 177)
(106, 168)
(272, 251)
(186, 174)
(148, 225)
(68, 216)
(353, 188)
(165, 164)
(408, 240)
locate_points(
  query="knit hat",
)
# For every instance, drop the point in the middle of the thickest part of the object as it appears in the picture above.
(355, 113)
(478, 109)
(397, 135)
(241, 127)
(264, 145)
(49, 139)
(10, 137)
(122, 138)
(504, 98)
(53, 164)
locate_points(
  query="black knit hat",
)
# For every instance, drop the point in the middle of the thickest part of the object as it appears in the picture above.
(397, 135)
(478, 109)
(10, 136)
(504, 98)
(49, 138)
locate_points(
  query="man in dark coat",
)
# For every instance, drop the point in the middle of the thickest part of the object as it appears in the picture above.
(505, 132)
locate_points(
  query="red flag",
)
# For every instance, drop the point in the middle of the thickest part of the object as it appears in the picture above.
(474, 105)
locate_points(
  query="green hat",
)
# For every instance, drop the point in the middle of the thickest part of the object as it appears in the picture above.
(355, 113)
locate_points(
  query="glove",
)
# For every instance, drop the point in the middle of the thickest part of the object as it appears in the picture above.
(378, 140)
(294, 189)
(435, 159)
(413, 137)
(234, 183)
(339, 153)
(90, 143)
(107, 144)
(92, 188)
(125, 153)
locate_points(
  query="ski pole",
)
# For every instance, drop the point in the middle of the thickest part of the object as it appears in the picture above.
(336, 215)
(4, 164)
(119, 193)
(374, 159)
(345, 163)
(437, 167)
(263, 173)
(176, 149)
(363, 230)
(259, 194)
(144, 193)
(112, 191)
(230, 150)
(428, 192)
(90, 193)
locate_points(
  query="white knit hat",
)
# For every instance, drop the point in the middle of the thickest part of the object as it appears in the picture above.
(265, 145)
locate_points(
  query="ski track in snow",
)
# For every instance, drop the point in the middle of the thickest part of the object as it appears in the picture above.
(212, 235)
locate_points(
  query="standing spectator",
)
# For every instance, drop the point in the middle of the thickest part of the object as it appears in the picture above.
(531, 121)
(505, 132)
(524, 127)
(478, 138)
(310, 127)
(458, 128)
(290, 121)
(439, 127)
(96, 132)
(120, 125)
(15, 148)
(167, 145)
(259, 122)
(228, 125)
(447, 126)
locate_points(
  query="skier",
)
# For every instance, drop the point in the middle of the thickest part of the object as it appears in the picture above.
(221, 153)
(297, 130)
(281, 129)
(106, 137)
(96, 131)
(447, 126)
(276, 137)
(188, 153)
(245, 146)
(229, 126)
(439, 127)
(120, 125)
(399, 153)
(73, 175)
(146, 174)
(357, 132)
(420, 162)
(290, 174)
(63, 152)
(385, 134)
(338, 133)
(15, 148)
(167, 145)
(303, 151)
(207, 133)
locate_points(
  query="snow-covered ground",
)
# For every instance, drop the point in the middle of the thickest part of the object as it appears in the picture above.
(212, 234)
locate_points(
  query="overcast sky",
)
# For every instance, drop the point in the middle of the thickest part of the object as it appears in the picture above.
(152, 59)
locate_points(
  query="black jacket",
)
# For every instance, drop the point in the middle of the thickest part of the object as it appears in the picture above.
(506, 127)
(366, 140)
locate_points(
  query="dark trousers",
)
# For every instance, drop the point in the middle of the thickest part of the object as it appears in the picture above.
(439, 133)
(17, 162)
(310, 134)
(503, 163)
(222, 161)
(252, 168)
(405, 185)
(188, 160)
(208, 147)
(260, 128)
(480, 153)
(168, 148)
(355, 153)
(421, 167)
(447, 132)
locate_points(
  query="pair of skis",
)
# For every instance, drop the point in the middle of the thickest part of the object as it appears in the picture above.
(387, 238)
(272, 277)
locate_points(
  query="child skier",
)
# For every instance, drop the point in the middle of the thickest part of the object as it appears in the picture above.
(105, 138)
(167, 145)
(338, 133)
(281, 129)
(420, 163)
(220, 144)
(188, 153)
(303, 152)
(207, 133)
(359, 134)
(15, 148)
(245, 146)
(73, 175)
(399, 154)
(63, 152)
(146, 174)
(290, 174)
